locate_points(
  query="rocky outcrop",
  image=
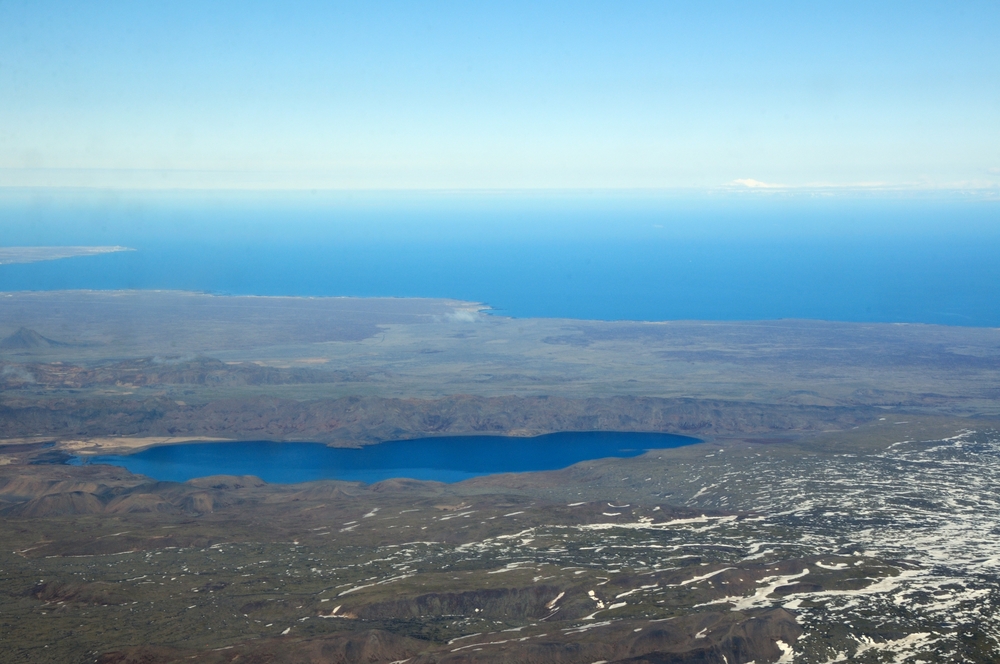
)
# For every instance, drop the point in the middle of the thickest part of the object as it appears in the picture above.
(25, 339)
(139, 503)
(55, 492)
(507, 603)
(363, 647)
(702, 638)
(711, 638)
(152, 371)
(365, 420)
(97, 593)
(59, 504)
(226, 482)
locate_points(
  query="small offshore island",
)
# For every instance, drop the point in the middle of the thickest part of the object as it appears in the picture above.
(13, 255)
(826, 515)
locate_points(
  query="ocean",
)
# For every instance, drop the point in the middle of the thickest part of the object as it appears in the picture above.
(637, 256)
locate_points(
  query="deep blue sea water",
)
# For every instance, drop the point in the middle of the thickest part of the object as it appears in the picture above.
(601, 256)
(450, 459)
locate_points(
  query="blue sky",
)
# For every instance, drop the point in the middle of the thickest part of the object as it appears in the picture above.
(500, 95)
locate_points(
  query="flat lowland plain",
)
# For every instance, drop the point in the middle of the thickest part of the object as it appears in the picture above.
(94, 365)
(842, 507)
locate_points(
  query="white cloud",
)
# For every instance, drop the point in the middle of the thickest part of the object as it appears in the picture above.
(757, 184)
(463, 316)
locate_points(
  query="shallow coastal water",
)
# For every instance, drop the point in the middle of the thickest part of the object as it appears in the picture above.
(446, 459)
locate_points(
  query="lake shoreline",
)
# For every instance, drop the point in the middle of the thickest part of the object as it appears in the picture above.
(127, 445)
(442, 458)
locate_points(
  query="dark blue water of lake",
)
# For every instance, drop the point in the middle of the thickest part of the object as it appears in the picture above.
(449, 459)
(886, 259)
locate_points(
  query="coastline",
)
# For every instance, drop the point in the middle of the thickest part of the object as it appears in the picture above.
(129, 444)
(109, 444)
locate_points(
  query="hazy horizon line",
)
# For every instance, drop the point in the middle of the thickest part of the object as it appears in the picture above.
(744, 186)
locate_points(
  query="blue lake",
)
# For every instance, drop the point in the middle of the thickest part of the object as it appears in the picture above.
(446, 459)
